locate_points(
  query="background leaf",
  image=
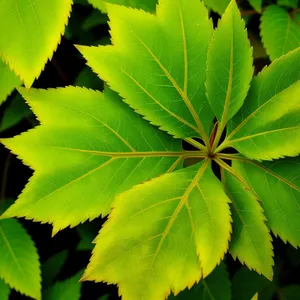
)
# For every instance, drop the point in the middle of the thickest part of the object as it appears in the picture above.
(279, 32)
(19, 261)
(30, 42)
(288, 3)
(256, 4)
(218, 6)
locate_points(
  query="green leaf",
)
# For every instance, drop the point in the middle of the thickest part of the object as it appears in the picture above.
(19, 262)
(267, 126)
(90, 135)
(246, 283)
(279, 32)
(277, 185)
(14, 113)
(174, 229)
(251, 242)
(215, 287)
(8, 80)
(52, 266)
(63, 290)
(290, 292)
(218, 6)
(229, 66)
(32, 32)
(288, 3)
(99, 4)
(169, 89)
(256, 4)
(4, 290)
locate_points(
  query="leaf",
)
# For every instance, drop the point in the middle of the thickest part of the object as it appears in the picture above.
(14, 113)
(32, 32)
(169, 89)
(288, 3)
(229, 66)
(164, 234)
(256, 4)
(218, 6)
(290, 292)
(99, 4)
(279, 33)
(216, 286)
(267, 126)
(277, 185)
(4, 290)
(251, 242)
(19, 262)
(246, 283)
(63, 290)
(52, 266)
(8, 81)
(84, 154)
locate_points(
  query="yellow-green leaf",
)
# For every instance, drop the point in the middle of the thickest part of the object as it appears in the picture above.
(173, 229)
(32, 32)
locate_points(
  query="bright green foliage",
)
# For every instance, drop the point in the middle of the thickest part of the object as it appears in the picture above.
(229, 66)
(256, 4)
(216, 286)
(52, 266)
(278, 188)
(100, 161)
(167, 77)
(250, 241)
(8, 80)
(64, 290)
(279, 32)
(4, 290)
(288, 3)
(169, 226)
(181, 217)
(32, 32)
(246, 283)
(266, 119)
(19, 261)
(98, 4)
(14, 113)
(218, 6)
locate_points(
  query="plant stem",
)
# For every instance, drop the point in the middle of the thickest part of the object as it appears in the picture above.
(195, 144)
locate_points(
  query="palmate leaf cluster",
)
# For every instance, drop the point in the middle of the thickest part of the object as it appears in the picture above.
(169, 226)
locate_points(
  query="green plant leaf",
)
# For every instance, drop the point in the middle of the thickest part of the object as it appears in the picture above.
(19, 263)
(251, 242)
(256, 4)
(8, 80)
(267, 126)
(14, 113)
(52, 266)
(91, 136)
(229, 66)
(63, 290)
(169, 89)
(216, 286)
(99, 4)
(277, 185)
(175, 229)
(288, 3)
(279, 32)
(218, 6)
(32, 32)
(246, 283)
(4, 290)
